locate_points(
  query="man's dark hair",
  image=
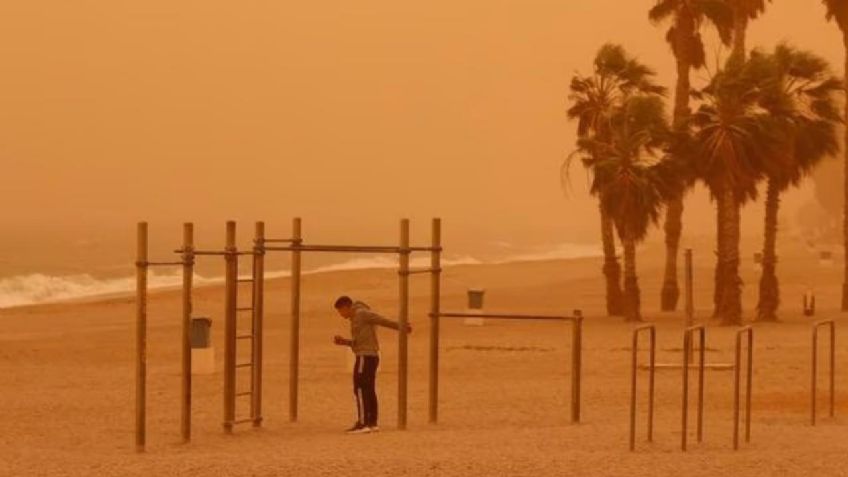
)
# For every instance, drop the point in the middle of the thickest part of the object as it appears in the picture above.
(343, 301)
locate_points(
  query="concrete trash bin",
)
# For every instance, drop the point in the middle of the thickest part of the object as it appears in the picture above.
(475, 305)
(202, 352)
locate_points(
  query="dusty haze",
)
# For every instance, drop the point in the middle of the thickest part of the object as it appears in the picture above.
(350, 115)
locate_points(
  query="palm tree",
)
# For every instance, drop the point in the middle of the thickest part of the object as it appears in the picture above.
(594, 99)
(837, 10)
(743, 12)
(732, 139)
(631, 182)
(684, 36)
(799, 91)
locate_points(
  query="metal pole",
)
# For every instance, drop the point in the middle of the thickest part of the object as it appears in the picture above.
(576, 364)
(435, 306)
(813, 376)
(231, 295)
(294, 348)
(832, 368)
(687, 341)
(651, 380)
(403, 319)
(188, 274)
(702, 342)
(737, 369)
(749, 384)
(634, 350)
(258, 321)
(141, 337)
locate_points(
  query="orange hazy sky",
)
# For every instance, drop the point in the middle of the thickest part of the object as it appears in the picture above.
(113, 111)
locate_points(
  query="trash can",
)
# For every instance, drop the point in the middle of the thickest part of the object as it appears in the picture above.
(202, 351)
(475, 306)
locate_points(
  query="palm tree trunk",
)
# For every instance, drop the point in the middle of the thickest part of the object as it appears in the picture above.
(611, 269)
(845, 189)
(740, 31)
(730, 309)
(674, 214)
(769, 286)
(631, 282)
(718, 287)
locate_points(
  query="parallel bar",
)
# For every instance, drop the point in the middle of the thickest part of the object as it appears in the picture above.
(244, 337)
(501, 316)
(244, 308)
(216, 252)
(294, 348)
(435, 303)
(687, 354)
(244, 280)
(278, 240)
(634, 354)
(403, 319)
(244, 365)
(245, 393)
(421, 271)
(188, 274)
(747, 330)
(163, 264)
(141, 338)
(240, 421)
(258, 320)
(231, 290)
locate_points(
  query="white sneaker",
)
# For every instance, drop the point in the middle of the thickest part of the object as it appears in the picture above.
(374, 429)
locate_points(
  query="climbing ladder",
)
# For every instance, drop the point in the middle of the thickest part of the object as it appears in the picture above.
(238, 336)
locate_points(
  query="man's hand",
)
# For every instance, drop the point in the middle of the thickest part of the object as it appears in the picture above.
(341, 341)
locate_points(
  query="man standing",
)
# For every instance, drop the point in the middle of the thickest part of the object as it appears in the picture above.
(363, 342)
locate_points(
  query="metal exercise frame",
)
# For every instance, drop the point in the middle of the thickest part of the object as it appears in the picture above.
(652, 334)
(831, 325)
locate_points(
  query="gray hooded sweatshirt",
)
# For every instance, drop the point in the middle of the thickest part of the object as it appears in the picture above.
(363, 329)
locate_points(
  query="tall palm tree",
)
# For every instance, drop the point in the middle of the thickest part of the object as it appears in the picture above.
(594, 99)
(687, 19)
(632, 183)
(837, 10)
(732, 140)
(743, 12)
(799, 91)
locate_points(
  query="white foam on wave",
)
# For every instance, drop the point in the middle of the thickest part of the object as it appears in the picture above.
(38, 288)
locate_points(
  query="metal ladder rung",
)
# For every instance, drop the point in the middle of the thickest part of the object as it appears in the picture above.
(244, 280)
(246, 393)
(244, 365)
(244, 337)
(244, 308)
(242, 421)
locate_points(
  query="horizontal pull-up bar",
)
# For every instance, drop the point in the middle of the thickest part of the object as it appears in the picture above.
(216, 252)
(160, 264)
(350, 248)
(499, 316)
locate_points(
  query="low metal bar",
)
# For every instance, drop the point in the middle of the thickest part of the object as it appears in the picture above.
(165, 264)
(831, 325)
(502, 316)
(417, 271)
(637, 332)
(349, 248)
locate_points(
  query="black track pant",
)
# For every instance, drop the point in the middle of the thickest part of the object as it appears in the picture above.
(364, 388)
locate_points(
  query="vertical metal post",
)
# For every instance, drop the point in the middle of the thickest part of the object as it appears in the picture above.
(258, 321)
(294, 348)
(188, 274)
(141, 337)
(403, 319)
(832, 369)
(814, 372)
(634, 352)
(702, 341)
(435, 308)
(576, 364)
(231, 295)
(651, 382)
(749, 384)
(687, 341)
(737, 370)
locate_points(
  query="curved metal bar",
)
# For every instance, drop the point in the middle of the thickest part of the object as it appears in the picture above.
(651, 373)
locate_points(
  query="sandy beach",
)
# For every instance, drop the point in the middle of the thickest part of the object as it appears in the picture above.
(66, 372)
